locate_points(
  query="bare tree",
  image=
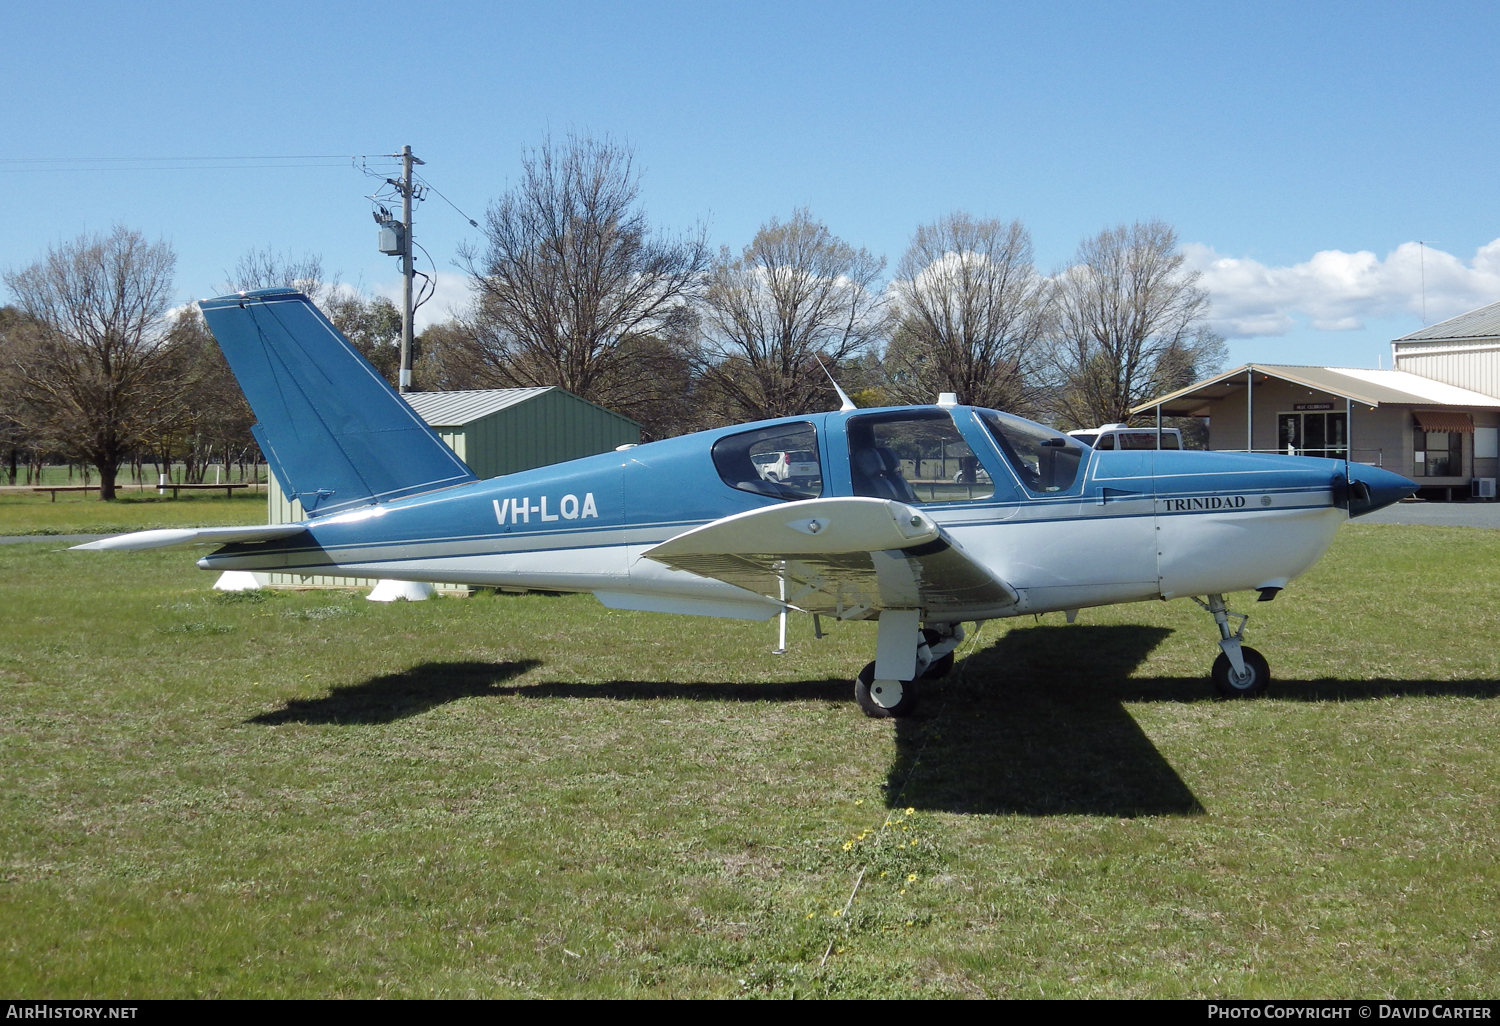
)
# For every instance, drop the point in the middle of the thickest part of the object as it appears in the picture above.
(969, 313)
(18, 336)
(571, 272)
(371, 323)
(796, 293)
(267, 269)
(210, 420)
(1128, 324)
(102, 365)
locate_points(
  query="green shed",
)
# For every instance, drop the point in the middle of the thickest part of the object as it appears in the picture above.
(496, 431)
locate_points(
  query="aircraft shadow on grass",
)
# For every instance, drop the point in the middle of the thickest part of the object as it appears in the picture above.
(1037, 725)
(1034, 725)
(397, 696)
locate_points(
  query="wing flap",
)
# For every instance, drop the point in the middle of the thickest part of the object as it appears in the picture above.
(175, 537)
(846, 557)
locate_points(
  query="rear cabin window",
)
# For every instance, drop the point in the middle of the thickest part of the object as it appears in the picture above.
(914, 457)
(1146, 440)
(780, 462)
(1044, 459)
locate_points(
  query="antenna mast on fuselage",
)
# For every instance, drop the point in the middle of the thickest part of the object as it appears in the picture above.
(845, 403)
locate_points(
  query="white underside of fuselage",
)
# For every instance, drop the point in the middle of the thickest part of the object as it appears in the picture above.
(1087, 557)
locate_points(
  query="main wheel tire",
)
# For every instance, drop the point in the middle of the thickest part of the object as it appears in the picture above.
(1257, 675)
(884, 699)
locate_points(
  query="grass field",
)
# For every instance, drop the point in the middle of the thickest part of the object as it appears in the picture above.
(24, 513)
(310, 794)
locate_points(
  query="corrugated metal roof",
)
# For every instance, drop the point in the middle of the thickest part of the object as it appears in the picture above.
(455, 409)
(1370, 387)
(1480, 323)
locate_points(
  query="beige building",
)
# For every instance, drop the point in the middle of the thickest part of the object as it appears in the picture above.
(1434, 419)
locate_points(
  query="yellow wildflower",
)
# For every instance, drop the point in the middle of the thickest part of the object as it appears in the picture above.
(910, 877)
(911, 812)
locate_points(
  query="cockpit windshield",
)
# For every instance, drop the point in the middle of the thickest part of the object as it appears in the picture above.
(1044, 459)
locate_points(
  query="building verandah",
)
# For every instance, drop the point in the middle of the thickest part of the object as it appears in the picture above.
(1441, 435)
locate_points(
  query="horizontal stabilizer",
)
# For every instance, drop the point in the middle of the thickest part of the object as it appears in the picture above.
(849, 557)
(335, 433)
(175, 537)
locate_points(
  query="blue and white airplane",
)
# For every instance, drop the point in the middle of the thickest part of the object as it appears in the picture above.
(921, 517)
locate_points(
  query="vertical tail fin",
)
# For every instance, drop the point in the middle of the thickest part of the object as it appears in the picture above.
(335, 433)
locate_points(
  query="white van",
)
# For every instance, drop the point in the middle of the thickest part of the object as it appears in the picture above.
(1118, 436)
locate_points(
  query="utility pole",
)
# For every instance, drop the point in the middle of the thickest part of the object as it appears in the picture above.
(407, 271)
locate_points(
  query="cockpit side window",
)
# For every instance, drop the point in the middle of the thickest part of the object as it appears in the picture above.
(914, 456)
(781, 461)
(1044, 459)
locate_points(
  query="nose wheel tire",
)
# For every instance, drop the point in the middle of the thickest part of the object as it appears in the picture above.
(884, 699)
(1252, 685)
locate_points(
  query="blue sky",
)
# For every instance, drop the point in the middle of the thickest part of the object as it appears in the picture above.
(1266, 133)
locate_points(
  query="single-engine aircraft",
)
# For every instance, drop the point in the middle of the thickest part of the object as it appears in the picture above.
(921, 517)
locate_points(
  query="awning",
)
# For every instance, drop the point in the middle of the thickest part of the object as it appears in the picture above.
(1445, 420)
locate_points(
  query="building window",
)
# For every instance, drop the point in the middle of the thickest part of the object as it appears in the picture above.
(1438, 453)
(1313, 434)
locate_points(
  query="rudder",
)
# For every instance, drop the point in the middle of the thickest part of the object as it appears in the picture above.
(334, 432)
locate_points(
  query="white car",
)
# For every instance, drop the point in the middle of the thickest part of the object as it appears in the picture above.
(783, 466)
(1119, 436)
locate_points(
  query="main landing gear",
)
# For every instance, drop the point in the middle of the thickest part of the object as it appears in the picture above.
(1240, 671)
(894, 693)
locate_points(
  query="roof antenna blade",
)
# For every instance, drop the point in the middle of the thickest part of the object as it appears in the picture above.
(845, 403)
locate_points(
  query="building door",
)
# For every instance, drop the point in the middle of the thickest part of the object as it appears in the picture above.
(1314, 434)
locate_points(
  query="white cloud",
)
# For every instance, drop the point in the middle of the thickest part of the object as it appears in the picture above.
(451, 298)
(1336, 291)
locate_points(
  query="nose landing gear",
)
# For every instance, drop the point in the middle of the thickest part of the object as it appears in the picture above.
(1240, 671)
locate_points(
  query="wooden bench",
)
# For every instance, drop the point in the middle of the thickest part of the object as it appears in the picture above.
(65, 488)
(175, 488)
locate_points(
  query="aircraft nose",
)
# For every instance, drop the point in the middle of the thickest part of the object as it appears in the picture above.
(1372, 488)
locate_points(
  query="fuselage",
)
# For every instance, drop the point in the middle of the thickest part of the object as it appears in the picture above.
(1125, 526)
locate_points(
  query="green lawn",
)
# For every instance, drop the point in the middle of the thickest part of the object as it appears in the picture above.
(83, 513)
(309, 794)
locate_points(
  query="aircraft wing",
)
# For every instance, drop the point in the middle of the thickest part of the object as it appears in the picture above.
(192, 536)
(846, 557)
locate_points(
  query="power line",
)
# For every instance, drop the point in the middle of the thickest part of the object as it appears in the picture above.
(42, 165)
(256, 156)
(448, 201)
